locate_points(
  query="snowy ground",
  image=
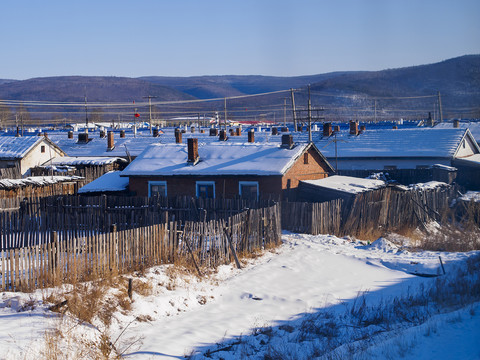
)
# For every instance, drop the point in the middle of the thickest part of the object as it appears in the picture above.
(295, 302)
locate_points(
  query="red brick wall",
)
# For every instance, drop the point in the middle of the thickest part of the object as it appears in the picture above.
(224, 185)
(300, 171)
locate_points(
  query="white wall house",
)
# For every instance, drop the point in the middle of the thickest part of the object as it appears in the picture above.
(22, 153)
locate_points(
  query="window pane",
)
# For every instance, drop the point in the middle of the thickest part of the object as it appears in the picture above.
(249, 191)
(158, 190)
(205, 190)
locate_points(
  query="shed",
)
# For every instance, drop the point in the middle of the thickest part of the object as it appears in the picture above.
(337, 187)
(109, 183)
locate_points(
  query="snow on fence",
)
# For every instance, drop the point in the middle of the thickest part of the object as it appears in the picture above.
(70, 256)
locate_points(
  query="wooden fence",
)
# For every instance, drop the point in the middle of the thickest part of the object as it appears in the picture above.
(29, 191)
(370, 212)
(69, 256)
(312, 218)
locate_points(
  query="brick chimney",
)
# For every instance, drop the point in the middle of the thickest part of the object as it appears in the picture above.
(287, 141)
(155, 132)
(363, 128)
(232, 132)
(327, 129)
(353, 128)
(122, 133)
(178, 136)
(394, 127)
(110, 141)
(274, 131)
(299, 127)
(102, 134)
(213, 132)
(70, 135)
(238, 131)
(192, 129)
(192, 147)
(284, 129)
(223, 135)
(251, 136)
(336, 128)
(83, 137)
(456, 123)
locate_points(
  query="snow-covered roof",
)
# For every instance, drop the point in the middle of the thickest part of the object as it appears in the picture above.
(215, 159)
(347, 184)
(98, 146)
(83, 160)
(110, 181)
(36, 180)
(473, 126)
(399, 143)
(12, 147)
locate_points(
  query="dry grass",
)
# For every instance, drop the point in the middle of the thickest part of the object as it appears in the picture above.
(449, 238)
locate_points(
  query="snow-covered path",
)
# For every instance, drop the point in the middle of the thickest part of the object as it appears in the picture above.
(301, 278)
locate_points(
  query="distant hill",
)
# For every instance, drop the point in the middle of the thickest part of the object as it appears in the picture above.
(458, 81)
(205, 87)
(97, 89)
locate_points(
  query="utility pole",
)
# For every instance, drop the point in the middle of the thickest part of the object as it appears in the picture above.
(150, 109)
(440, 107)
(293, 111)
(375, 116)
(134, 121)
(86, 113)
(285, 112)
(225, 108)
(309, 117)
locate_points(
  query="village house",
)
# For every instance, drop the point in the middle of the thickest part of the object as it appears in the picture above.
(225, 169)
(413, 154)
(19, 154)
(389, 149)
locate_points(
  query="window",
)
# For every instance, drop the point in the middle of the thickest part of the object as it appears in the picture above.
(157, 188)
(206, 189)
(305, 158)
(42, 148)
(248, 189)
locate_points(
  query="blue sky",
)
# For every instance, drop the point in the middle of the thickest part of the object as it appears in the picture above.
(219, 37)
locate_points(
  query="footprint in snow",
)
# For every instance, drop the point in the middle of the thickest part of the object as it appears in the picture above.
(250, 296)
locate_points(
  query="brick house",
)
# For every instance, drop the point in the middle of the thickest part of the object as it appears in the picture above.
(224, 169)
